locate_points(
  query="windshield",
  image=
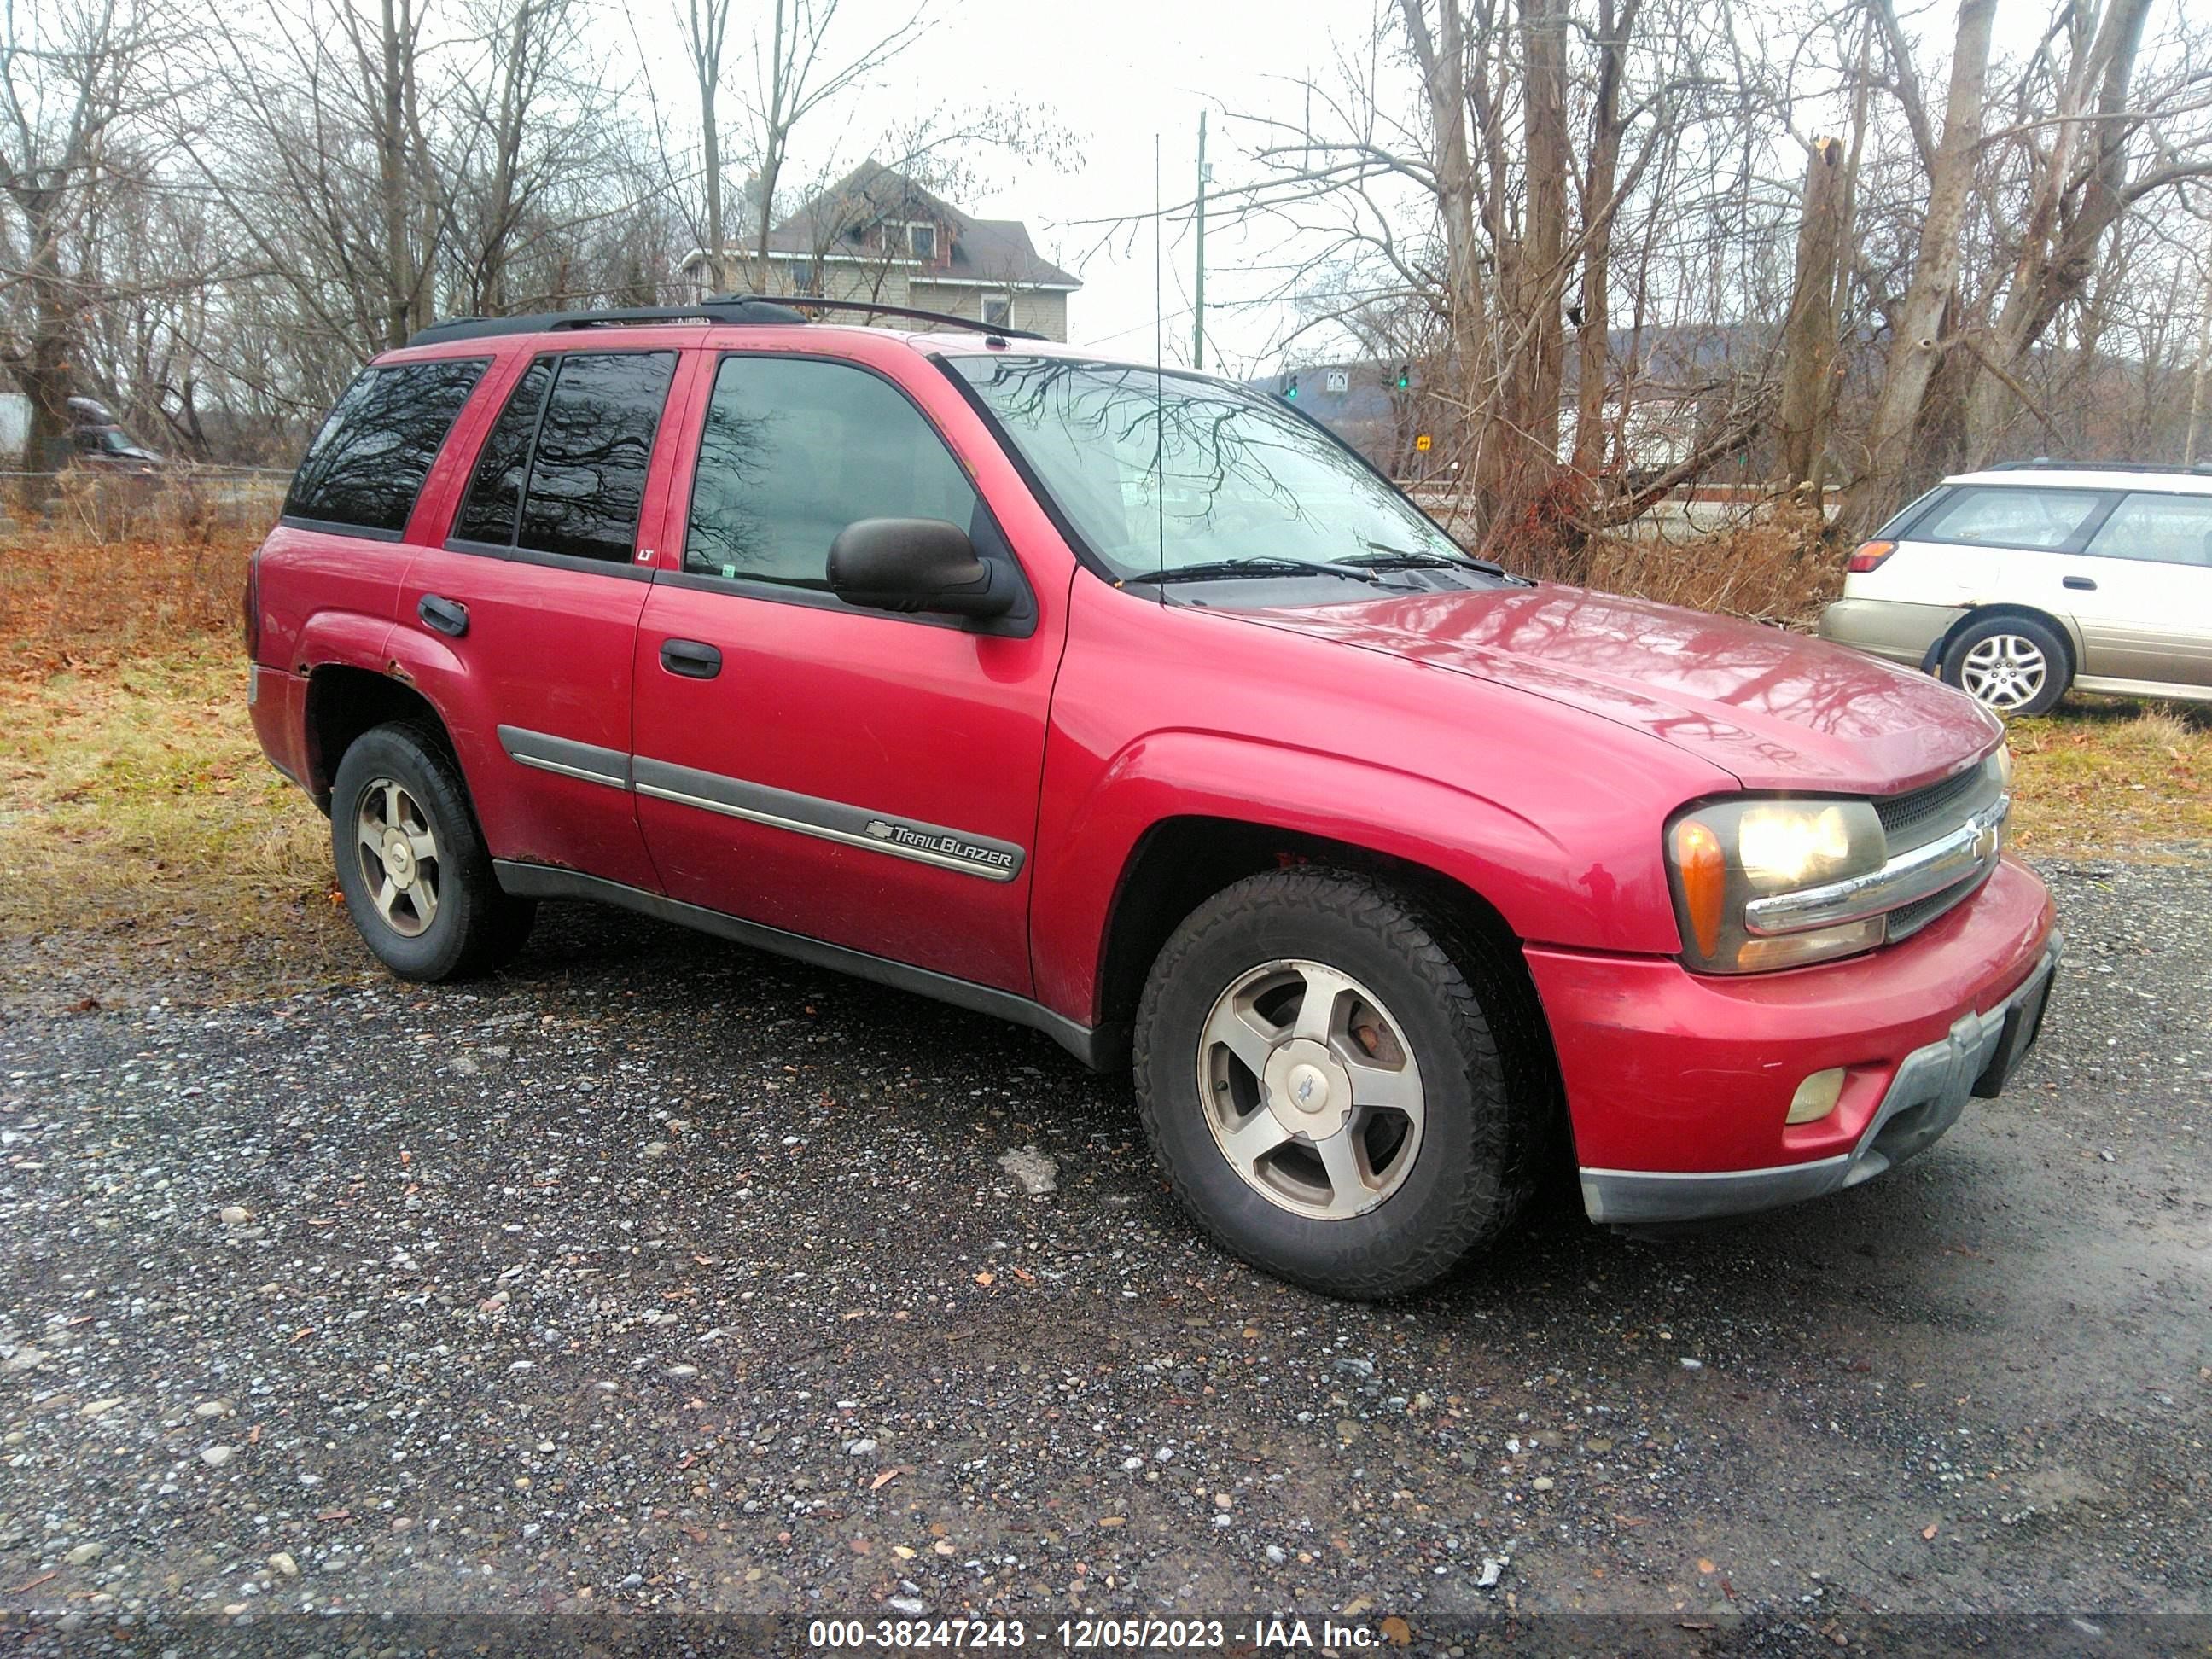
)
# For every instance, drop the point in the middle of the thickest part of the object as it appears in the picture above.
(1162, 473)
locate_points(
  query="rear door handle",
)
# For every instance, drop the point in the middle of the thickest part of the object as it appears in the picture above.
(2084, 583)
(690, 659)
(447, 617)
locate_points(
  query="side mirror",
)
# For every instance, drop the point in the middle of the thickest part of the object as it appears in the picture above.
(915, 564)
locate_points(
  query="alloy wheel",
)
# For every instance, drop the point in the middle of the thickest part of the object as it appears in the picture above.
(2004, 672)
(399, 850)
(1312, 1092)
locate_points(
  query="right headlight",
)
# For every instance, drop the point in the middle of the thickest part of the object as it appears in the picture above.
(1722, 855)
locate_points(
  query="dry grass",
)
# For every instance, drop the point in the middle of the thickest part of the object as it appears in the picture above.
(1777, 569)
(146, 848)
(67, 602)
(2106, 774)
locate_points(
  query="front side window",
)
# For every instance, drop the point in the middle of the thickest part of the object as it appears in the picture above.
(2166, 529)
(2010, 516)
(367, 465)
(795, 450)
(1168, 473)
(563, 469)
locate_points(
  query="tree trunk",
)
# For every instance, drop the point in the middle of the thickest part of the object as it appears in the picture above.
(392, 184)
(2058, 252)
(1599, 183)
(1526, 454)
(1808, 333)
(1914, 352)
(1441, 59)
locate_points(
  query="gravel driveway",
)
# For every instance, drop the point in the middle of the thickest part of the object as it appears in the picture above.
(659, 1274)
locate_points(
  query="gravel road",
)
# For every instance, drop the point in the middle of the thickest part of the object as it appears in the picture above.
(659, 1274)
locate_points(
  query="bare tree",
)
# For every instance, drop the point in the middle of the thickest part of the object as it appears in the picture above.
(71, 76)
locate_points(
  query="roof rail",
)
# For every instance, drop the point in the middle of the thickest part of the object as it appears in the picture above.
(733, 308)
(811, 302)
(2045, 464)
(722, 308)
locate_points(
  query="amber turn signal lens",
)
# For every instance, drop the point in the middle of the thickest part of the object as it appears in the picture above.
(1704, 869)
(1869, 556)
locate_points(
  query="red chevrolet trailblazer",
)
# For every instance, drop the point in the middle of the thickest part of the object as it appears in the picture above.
(1132, 706)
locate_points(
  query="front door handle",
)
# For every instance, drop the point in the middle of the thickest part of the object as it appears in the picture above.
(448, 617)
(690, 659)
(2084, 583)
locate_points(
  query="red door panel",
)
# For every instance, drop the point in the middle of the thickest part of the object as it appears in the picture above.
(827, 722)
(541, 679)
(857, 777)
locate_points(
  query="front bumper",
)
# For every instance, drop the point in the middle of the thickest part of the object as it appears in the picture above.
(1679, 1084)
(1890, 628)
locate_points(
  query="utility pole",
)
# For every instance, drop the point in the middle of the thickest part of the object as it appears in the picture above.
(1198, 305)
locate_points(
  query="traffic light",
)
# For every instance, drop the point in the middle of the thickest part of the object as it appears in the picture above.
(1291, 388)
(1405, 375)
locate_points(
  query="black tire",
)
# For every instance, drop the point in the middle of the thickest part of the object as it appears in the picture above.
(472, 927)
(1479, 1150)
(2057, 658)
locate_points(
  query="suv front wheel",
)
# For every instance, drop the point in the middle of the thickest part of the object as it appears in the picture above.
(1323, 1089)
(411, 864)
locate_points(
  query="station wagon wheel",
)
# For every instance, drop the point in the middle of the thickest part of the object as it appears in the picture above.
(2005, 670)
(398, 852)
(411, 863)
(2011, 664)
(1334, 1077)
(1310, 1091)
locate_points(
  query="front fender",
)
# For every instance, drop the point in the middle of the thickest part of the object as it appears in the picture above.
(1594, 878)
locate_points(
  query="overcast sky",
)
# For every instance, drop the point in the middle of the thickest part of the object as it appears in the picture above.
(1116, 74)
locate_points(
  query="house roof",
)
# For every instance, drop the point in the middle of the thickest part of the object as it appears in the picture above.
(982, 250)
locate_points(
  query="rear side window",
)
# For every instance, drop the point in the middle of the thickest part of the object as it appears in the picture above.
(1999, 516)
(563, 469)
(495, 499)
(367, 464)
(2166, 529)
(793, 451)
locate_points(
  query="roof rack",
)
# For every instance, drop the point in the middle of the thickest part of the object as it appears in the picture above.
(870, 307)
(2045, 464)
(734, 308)
(722, 308)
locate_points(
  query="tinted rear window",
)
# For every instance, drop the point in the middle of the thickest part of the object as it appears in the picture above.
(367, 464)
(588, 475)
(488, 514)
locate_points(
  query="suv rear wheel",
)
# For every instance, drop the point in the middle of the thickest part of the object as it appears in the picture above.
(2011, 665)
(411, 864)
(1322, 1088)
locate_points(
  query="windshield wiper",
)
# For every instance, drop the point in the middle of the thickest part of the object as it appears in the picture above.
(1387, 558)
(1221, 570)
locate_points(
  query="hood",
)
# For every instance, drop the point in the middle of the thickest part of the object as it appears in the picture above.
(1778, 710)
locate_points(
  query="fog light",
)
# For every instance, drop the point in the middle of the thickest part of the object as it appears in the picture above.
(1817, 1095)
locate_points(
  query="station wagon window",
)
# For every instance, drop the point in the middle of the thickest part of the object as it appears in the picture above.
(2166, 529)
(367, 465)
(795, 450)
(2003, 516)
(563, 469)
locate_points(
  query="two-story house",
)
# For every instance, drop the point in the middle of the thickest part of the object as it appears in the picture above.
(877, 235)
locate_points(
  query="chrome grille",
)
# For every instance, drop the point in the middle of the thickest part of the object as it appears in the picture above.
(1921, 815)
(1910, 919)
